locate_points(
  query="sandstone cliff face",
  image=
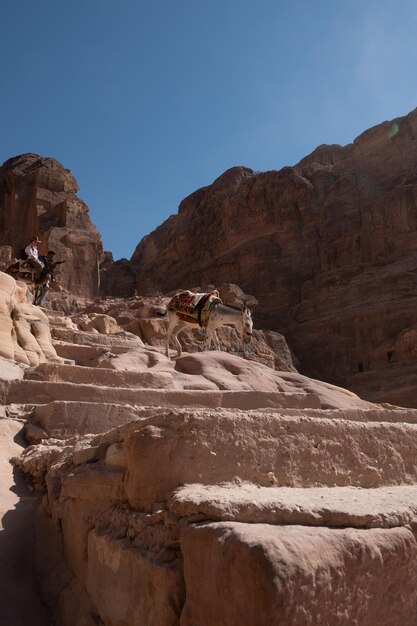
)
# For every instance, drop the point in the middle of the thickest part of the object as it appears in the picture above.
(328, 247)
(38, 197)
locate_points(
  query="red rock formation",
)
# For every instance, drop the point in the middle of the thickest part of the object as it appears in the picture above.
(328, 247)
(38, 197)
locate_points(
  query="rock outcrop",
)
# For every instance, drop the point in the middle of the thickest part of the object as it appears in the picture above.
(210, 489)
(24, 328)
(328, 247)
(38, 197)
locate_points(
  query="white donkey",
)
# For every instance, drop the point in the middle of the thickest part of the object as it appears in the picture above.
(219, 315)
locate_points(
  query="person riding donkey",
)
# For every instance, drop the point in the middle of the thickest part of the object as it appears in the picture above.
(32, 253)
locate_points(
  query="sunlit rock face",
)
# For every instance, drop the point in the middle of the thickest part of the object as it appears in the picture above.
(24, 328)
(38, 197)
(328, 247)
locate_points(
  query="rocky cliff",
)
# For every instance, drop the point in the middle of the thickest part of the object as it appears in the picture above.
(38, 196)
(328, 247)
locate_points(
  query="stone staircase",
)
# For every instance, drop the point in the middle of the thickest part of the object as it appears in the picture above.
(216, 507)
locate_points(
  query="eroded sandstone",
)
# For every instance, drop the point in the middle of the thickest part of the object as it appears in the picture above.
(24, 330)
(260, 574)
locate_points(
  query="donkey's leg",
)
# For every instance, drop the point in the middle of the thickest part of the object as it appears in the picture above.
(180, 326)
(36, 294)
(172, 323)
(207, 342)
(211, 337)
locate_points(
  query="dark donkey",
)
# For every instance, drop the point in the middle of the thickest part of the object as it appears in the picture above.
(42, 284)
(21, 271)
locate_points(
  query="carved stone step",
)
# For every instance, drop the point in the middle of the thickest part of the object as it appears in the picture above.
(106, 377)
(85, 355)
(383, 507)
(265, 448)
(43, 392)
(63, 419)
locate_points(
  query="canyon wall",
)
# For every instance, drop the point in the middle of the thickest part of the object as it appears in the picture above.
(328, 247)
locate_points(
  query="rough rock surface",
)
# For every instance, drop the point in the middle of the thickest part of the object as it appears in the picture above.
(209, 489)
(38, 197)
(24, 328)
(328, 247)
(263, 574)
(381, 507)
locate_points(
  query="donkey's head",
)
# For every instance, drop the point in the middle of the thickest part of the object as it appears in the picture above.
(48, 273)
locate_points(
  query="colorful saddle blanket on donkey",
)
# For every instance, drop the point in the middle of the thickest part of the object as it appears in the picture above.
(194, 307)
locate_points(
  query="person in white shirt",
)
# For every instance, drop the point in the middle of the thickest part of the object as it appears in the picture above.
(33, 255)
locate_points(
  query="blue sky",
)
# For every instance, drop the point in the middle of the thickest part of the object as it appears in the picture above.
(146, 101)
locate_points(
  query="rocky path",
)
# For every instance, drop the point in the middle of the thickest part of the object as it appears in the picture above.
(285, 499)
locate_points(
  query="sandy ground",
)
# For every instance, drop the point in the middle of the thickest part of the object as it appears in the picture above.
(20, 604)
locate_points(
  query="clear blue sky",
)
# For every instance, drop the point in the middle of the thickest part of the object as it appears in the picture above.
(145, 101)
